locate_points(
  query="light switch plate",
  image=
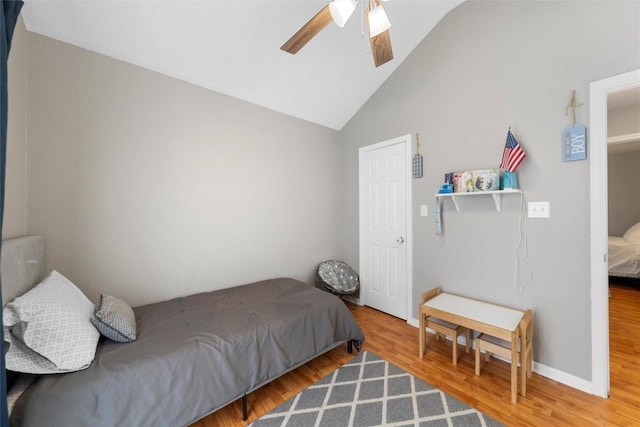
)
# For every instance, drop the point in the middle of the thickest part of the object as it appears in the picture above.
(424, 210)
(539, 209)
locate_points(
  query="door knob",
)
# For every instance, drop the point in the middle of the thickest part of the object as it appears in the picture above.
(400, 240)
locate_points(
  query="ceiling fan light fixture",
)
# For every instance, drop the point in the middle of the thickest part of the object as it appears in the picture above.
(341, 11)
(378, 21)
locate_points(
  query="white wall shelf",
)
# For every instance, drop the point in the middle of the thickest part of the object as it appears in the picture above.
(496, 195)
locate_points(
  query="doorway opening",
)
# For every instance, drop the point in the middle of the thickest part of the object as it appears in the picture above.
(598, 97)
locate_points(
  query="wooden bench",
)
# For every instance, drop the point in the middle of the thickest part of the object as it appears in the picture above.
(442, 327)
(491, 344)
(491, 319)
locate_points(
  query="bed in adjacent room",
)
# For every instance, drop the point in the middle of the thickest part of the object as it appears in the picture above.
(624, 254)
(191, 355)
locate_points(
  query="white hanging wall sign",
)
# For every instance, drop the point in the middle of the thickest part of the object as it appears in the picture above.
(574, 143)
(574, 137)
(417, 165)
(417, 159)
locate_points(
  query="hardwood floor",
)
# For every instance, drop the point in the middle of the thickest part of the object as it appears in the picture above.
(547, 403)
(624, 344)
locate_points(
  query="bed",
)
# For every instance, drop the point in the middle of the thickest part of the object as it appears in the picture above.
(624, 254)
(192, 356)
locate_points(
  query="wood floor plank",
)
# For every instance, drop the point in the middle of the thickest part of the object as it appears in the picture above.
(548, 403)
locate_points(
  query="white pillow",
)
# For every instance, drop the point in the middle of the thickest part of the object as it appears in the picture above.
(49, 329)
(632, 235)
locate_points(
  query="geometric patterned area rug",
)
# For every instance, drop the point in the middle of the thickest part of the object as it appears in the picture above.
(369, 391)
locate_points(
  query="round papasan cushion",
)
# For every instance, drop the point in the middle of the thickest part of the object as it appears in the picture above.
(337, 277)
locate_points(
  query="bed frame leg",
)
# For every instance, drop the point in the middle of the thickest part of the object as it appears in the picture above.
(244, 407)
(350, 346)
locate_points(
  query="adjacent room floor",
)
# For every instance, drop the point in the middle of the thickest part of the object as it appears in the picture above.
(547, 403)
(624, 343)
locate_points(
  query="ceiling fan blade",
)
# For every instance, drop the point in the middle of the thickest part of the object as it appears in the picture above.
(308, 31)
(381, 48)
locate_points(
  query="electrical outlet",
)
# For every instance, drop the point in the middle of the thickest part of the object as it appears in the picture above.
(539, 209)
(424, 210)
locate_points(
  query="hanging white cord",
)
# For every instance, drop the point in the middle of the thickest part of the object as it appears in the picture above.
(516, 275)
(362, 19)
(363, 29)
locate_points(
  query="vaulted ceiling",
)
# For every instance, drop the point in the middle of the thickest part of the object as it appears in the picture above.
(233, 46)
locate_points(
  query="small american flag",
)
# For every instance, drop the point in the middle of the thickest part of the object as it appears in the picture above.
(512, 155)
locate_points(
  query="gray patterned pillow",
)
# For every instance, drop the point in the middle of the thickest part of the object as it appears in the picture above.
(49, 329)
(115, 319)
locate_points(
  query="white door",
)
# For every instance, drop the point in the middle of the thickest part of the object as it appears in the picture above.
(384, 200)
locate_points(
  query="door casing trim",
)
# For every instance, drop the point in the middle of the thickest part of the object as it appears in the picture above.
(598, 91)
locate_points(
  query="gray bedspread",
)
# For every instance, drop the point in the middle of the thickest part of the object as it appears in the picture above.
(193, 356)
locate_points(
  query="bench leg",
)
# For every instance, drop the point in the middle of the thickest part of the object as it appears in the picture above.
(477, 359)
(455, 350)
(421, 335)
(523, 376)
(468, 339)
(514, 368)
(524, 372)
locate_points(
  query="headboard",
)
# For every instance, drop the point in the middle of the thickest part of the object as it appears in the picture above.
(21, 265)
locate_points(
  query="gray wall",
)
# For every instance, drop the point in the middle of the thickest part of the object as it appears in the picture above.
(487, 66)
(15, 196)
(147, 187)
(624, 197)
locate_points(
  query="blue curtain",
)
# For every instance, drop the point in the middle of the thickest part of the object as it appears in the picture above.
(10, 12)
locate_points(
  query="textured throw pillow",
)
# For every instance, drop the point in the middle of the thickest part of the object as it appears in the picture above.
(115, 319)
(49, 329)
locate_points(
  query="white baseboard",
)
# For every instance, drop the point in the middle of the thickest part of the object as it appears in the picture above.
(540, 369)
(562, 377)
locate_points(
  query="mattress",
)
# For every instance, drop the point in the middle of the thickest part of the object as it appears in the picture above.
(193, 356)
(624, 258)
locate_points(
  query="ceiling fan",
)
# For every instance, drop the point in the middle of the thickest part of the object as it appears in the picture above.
(339, 11)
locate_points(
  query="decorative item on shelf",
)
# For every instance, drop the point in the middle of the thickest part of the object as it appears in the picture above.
(574, 136)
(417, 159)
(473, 180)
(509, 181)
(452, 178)
(486, 179)
(464, 182)
(445, 188)
(512, 156)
